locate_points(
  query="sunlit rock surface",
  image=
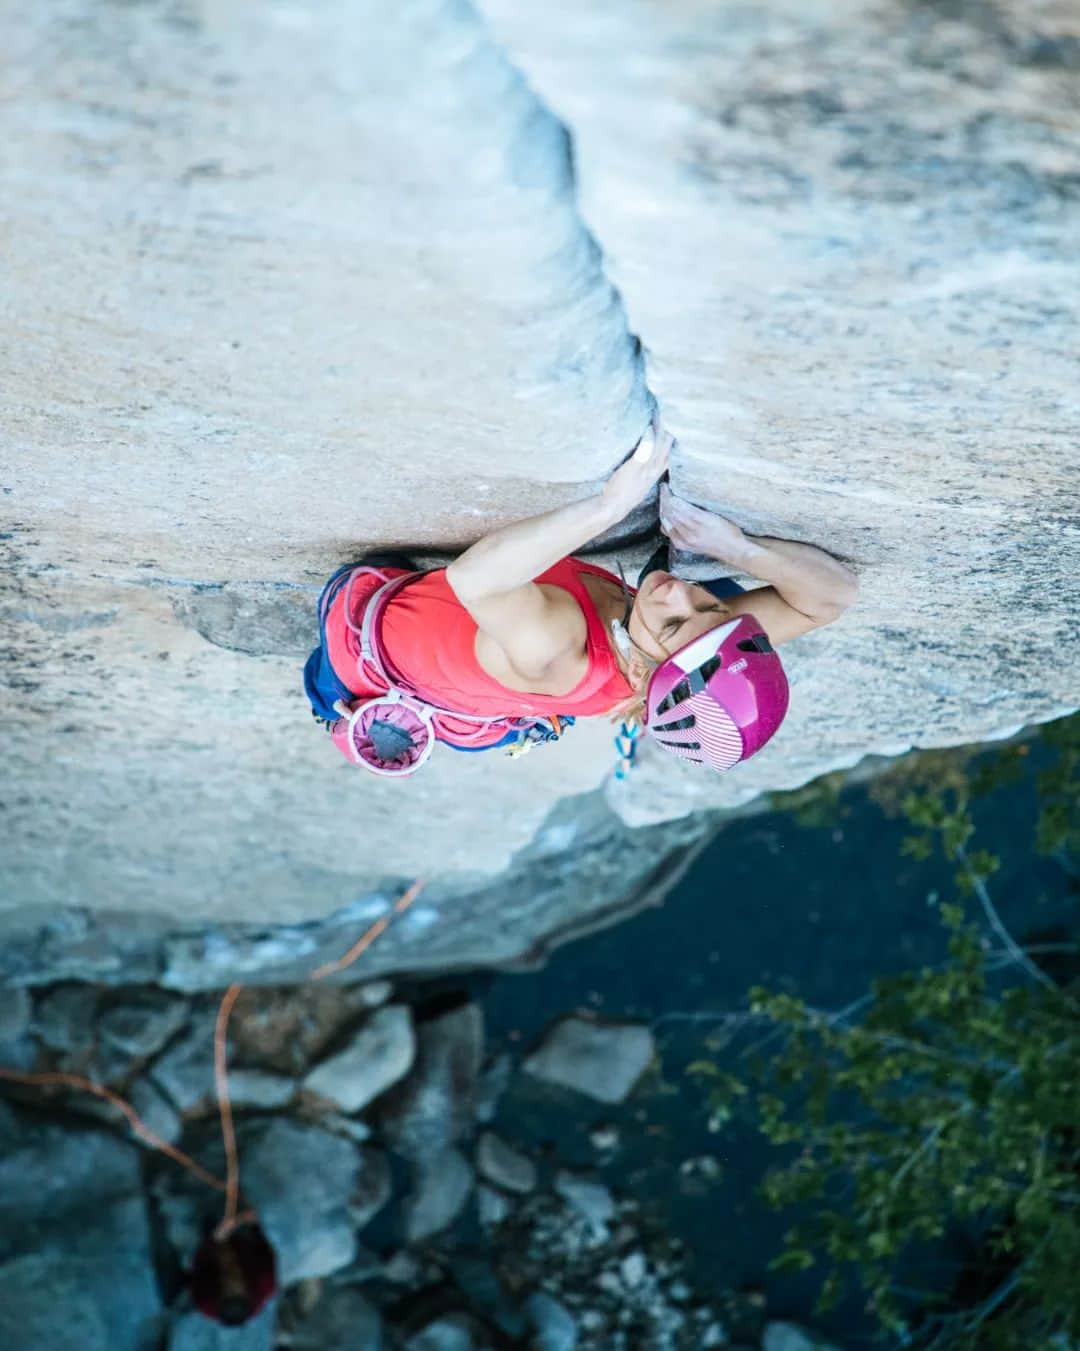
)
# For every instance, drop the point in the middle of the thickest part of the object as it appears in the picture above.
(284, 283)
(847, 235)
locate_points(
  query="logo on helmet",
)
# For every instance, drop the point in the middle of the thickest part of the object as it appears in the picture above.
(737, 666)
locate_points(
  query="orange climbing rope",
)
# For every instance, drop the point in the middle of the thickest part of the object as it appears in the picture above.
(228, 1134)
(55, 1077)
(400, 906)
(231, 1185)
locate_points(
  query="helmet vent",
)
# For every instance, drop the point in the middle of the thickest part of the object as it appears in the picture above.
(758, 643)
(676, 696)
(682, 745)
(705, 672)
(694, 683)
(680, 725)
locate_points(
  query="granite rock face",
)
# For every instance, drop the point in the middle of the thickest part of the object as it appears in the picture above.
(846, 236)
(251, 336)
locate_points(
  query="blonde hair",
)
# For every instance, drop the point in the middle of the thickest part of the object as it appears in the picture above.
(631, 710)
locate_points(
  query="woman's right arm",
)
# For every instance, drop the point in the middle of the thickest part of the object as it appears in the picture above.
(494, 578)
(509, 558)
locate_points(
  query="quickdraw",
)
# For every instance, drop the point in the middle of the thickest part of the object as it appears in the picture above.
(626, 744)
(545, 729)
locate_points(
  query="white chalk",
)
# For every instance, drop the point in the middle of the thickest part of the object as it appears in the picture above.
(644, 451)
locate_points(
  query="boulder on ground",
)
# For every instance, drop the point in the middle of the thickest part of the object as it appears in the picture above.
(492, 1207)
(375, 992)
(299, 1179)
(44, 1303)
(59, 1186)
(192, 1331)
(434, 1106)
(143, 1022)
(442, 1187)
(603, 1061)
(451, 1333)
(76, 1238)
(15, 1009)
(553, 1324)
(185, 1072)
(493, 1084)
(155, 1110)
(505, 1166)
(373, 1188)
(20, 1053)
(43, 1294)
(378, 1055)
(259, 1088)
(592, 1200)
(64, 1017)
(342, 1318)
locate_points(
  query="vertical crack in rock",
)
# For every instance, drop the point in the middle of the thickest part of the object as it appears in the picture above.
(286, 283)
(854, 275)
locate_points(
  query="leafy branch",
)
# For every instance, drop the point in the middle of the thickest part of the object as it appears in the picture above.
(941, 1108)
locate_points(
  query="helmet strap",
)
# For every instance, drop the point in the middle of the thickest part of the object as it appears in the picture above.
(660, 558)
(620, 628)
(623, 641)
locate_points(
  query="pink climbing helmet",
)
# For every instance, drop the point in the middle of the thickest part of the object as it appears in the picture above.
(718, 699)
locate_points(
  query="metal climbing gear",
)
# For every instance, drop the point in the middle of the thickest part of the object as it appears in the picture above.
(626, 744)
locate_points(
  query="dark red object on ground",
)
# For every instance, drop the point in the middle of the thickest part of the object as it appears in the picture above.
(232, 1278)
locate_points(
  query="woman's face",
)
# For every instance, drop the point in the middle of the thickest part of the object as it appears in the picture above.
(669, 612)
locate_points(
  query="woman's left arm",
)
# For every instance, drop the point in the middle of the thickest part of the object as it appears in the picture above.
(809, 579)
(806, 577)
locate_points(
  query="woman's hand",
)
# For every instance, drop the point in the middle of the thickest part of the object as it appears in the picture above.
(701, 532)
(635, 477)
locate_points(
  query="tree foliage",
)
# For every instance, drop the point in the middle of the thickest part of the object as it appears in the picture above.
(943, 1108)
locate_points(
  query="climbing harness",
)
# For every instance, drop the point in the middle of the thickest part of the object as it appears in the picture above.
(389, 728)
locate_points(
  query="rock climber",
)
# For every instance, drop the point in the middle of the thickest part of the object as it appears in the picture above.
(518, 632)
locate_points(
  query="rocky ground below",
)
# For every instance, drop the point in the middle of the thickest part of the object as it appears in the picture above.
(370, 1149)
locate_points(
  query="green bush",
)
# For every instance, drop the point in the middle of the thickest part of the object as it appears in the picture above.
(946, 1102)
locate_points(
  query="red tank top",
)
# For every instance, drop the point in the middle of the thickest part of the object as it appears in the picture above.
(430, 638)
